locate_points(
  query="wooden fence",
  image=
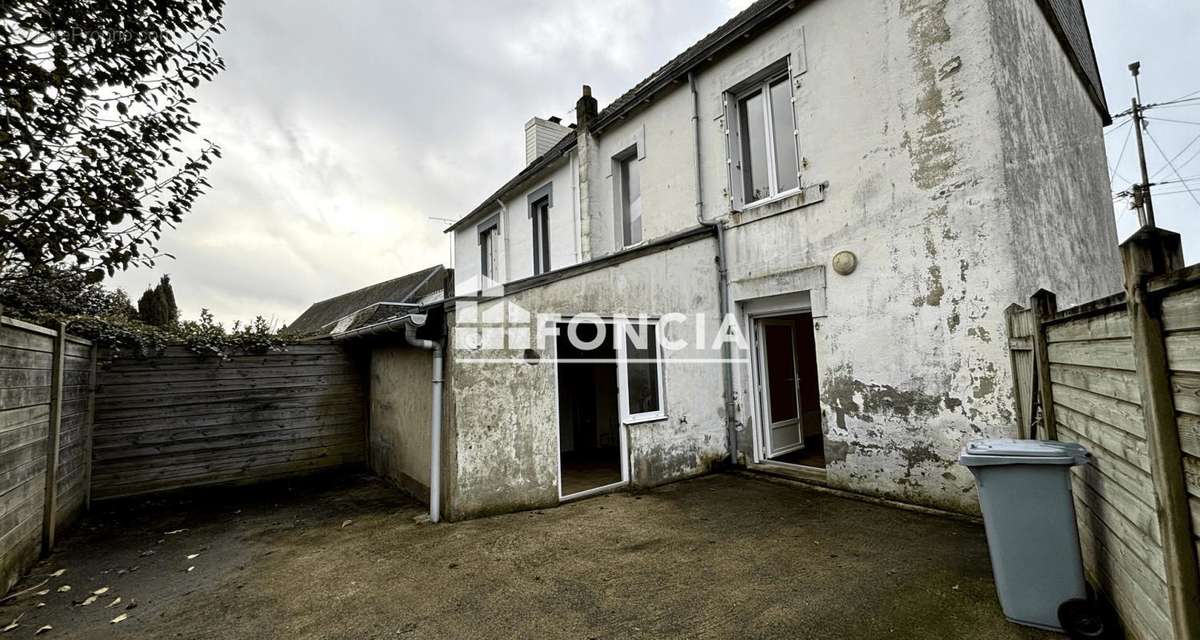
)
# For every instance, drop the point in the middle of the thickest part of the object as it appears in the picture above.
(182, 420)
(46, 379)
(1121, 376)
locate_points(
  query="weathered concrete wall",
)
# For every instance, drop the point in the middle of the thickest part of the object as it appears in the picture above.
(1056, 184)
(401, 401)
(914, 139)
(506, 446)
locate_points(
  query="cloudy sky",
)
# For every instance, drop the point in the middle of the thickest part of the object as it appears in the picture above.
(349, 129)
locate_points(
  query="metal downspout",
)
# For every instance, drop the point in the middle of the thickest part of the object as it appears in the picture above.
(722, 280)
(435, 427)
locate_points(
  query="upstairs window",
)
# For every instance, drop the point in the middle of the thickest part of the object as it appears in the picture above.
(539, 214)
(489, 249)
(629, 199)
(764, 159)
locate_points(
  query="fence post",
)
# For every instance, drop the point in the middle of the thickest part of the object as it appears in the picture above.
(1044, 305)
(90, 426)
(1148, 253)
(54, 429)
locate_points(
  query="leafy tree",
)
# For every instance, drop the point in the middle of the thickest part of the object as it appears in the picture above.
(94, 113)
(157, 306)
(54, 291)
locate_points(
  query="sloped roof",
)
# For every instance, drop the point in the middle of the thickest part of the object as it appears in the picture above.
(1066, 18)
(364, 304)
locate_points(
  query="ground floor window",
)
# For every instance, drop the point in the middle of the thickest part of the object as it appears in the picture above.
(641, 371)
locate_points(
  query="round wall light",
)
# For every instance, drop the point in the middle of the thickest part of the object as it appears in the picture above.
(845, 262)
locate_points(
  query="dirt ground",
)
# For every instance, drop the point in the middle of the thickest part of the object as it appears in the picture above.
(344, 557)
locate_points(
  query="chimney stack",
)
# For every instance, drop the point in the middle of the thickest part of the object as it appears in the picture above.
(586, 109)
(540, 135)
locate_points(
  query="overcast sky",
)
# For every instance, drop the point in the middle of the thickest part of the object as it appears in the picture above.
(347, 129)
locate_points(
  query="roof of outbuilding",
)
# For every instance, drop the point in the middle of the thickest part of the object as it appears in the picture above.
(1066, 18)
(365, 304)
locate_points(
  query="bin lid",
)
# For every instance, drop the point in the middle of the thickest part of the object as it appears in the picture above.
(1010, 451)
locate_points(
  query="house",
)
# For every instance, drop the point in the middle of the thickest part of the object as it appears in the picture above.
(790, 248)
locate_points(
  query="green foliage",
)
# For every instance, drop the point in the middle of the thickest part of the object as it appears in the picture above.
(61, 291)
(157, 306)
(94, 118)
(47, 295)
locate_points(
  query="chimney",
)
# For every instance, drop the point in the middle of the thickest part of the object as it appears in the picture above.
(585, 108)
(540, 135)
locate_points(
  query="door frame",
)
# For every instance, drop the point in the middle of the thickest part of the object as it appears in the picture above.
(768, 426)
(753, 310)
(622, 428)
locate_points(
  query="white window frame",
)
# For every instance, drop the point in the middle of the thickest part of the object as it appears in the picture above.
(620, 326)
(490, 225)
(760, 84)
(626, 157)
(540, 229)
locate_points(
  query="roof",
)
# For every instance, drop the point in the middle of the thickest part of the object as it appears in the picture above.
(1069, 23)
(364, 306)
(1066, 18)
(532, 171)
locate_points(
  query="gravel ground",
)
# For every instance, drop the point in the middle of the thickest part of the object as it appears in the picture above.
(347, 557)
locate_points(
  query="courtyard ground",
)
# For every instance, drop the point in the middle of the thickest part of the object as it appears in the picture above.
(347, 557)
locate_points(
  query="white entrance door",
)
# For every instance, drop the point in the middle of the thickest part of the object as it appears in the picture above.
(780, 386)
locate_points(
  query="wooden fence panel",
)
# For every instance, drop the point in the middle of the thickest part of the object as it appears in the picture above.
(1181, 319)
(1098, 404)
(26, 376)
(181, 420)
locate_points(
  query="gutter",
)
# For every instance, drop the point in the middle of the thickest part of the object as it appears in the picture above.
(409, 324)
(722, 279)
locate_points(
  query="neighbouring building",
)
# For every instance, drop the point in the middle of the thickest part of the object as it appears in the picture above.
(862, 186)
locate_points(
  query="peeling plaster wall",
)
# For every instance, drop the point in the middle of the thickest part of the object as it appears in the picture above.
(400, 412)
(505, 423)
(911, 135)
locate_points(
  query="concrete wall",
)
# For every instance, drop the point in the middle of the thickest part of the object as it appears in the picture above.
(504, 446)
(401, 400)
(1056, 178)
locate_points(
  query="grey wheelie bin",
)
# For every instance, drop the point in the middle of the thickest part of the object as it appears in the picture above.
(1029, 516)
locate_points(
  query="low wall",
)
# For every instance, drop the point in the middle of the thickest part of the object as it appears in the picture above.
(181, 420)
(401, 408)
(45, 391)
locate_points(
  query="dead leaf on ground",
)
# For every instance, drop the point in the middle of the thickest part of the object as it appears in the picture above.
(189, 569)
(43, 630)
(147, 553)
(39, 605)
(12, 625)
(65, 588)
(58, 573)
(193, 556)
(87, 601)
(119, 618)
(114, 603)
(346, 523)
(101, 591)
(171, 533)
(42, 592)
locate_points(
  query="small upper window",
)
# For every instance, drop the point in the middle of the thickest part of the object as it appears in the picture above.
(629, 199)
(765, 162)
(489, 250)
(539, 212)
